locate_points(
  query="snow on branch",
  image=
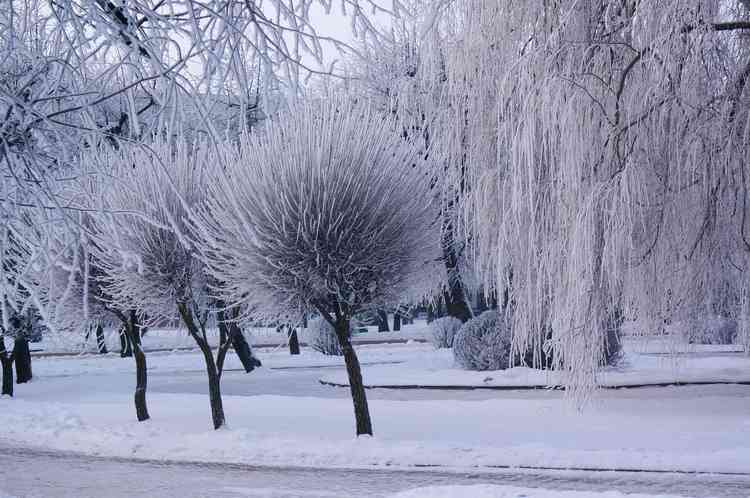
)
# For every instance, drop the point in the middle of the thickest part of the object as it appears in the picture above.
(327, 207)
(140, 248)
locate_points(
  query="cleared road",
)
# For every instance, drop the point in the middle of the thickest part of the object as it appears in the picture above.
(26, 473)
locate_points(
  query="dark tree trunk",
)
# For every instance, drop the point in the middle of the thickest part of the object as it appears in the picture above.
(353, 370)
(396, 322)
(456, 302)
(382, 321)
(126, 347)
(101, 343)
(22, 358)
(6, 360)
(242, 348)
(133, 336)
(214, 379)
(293, 340)
(224, 344)
(228, 328)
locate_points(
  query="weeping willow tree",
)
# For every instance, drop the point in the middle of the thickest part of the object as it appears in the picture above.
(605, 150)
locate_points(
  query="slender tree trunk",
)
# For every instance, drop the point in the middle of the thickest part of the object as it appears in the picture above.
(293, 340)
(22, 358)
(101, 343)
(382, 321)
(133, 332)
(126, 347)
(354, 371)
(396, 322)
(224, 344)
(6, 360)
(214, 379)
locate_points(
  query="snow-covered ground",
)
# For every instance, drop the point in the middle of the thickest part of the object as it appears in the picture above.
(636, 369)
(285, 417)
(475, 491)
(171, 339)
(492, 491)
(190, 361)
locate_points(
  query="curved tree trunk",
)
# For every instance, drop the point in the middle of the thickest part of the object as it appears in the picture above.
(22, 357)
(242, 348)
(229, 329)
(354, 371)
(214, 378)
(133, 332)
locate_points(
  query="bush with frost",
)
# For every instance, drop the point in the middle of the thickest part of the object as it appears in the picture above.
(443, 331)
(483, 343)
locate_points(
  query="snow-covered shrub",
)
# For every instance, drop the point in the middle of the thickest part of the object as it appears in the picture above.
(443, 331)
(322, 337)
(483, 343)
(712, 330)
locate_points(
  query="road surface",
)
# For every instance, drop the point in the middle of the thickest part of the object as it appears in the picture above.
(26, 473)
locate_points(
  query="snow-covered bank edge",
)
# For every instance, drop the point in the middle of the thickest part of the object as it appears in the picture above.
(313, 432)
(494, 491)
(637, 370)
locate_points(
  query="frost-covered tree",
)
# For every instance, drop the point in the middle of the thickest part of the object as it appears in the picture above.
(325, 209)
(606, 152)
(406, 76)
(147, 263)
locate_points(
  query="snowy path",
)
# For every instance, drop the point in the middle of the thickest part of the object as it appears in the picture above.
(35, 474)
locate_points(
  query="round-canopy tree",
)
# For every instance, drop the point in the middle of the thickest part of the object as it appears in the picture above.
(327, 208)
(146, 261)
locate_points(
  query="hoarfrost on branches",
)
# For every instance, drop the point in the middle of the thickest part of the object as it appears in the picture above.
(323, 209)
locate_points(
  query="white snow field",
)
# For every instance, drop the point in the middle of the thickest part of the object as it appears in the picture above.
(283, 416)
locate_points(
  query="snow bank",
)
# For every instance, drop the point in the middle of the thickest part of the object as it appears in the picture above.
(704, 431)
(491, 491)
(695, 428)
